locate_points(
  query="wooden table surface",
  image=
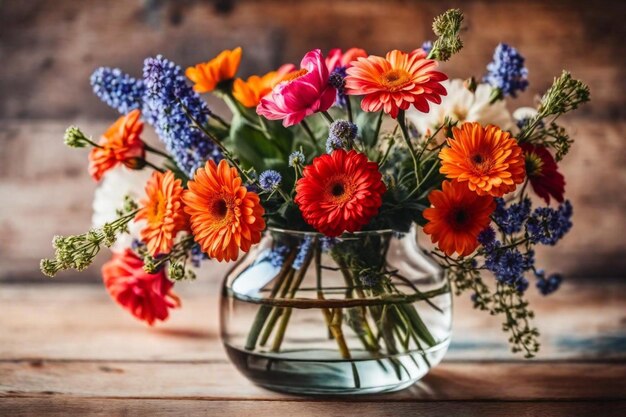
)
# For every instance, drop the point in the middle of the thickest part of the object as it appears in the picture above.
(66, 349)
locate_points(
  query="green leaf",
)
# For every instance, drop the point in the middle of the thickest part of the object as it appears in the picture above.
(250, 146)
(366, 122)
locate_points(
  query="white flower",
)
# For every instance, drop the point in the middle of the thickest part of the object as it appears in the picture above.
(524, 113)
(463, 106)
(109, 197)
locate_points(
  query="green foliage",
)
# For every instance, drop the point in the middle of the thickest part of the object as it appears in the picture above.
(78, 251)
(565, 94)
(250, 146)
(553, 136)
(505, 301)
(176, 260)
(367, 123)
(447, 27)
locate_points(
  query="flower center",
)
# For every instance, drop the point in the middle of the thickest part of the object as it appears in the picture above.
(459, 217)
(478, 159)
(533, 164)
(158, 209)
(395, 79)
(340, 191)
(295, 74)
(480, 162)
(219, 208)
(337, 190)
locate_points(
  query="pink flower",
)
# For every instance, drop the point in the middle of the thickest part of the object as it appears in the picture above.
(301, 93)
(336, 58)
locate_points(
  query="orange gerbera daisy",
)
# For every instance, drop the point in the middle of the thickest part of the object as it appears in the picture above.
(225, 216)
(457, 217)
(340, 192)
(250, 92)
(206, 76)
(487, 158)
(120, 144)
(395, 82)
(163, 211)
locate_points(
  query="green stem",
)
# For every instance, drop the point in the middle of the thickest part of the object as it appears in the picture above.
(280, 333)
(328, 117)
(151, 165)
(278, 311)
(335, 328)
(156, 151)
(264, 310)
(318, 284)
(379, 123)
(407, 139)
(349, 109)
(217, 143)
(309, 132)
(220, 120)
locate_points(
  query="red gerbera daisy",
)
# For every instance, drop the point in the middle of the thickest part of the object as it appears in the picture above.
(543, 173)
(457, 217)
(340, 192)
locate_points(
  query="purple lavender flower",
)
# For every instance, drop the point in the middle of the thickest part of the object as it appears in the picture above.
(197, 255)
(327, 243)
(507, 71)
(277, 255)
(168, 99)
(547, 225)
(337, 79)
(369, 278)
(507, 265)
(487, 238)
(427, 46)
(303, 251)
(341, 135)
(547, 286)
(511, 219)
(117, 89)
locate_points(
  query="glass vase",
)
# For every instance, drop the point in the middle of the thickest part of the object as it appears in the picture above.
(368, 312)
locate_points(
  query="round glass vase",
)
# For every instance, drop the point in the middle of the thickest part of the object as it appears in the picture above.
(368, 312)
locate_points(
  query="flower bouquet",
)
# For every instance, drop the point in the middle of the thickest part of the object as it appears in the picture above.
(322, 177)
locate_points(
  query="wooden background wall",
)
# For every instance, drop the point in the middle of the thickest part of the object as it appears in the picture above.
(48, 49)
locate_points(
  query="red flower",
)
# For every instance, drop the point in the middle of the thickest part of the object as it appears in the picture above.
(543, 173)
(340, 192)
(146, 296)
(456, 217)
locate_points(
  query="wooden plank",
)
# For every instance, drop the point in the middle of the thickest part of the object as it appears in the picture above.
(65, 321)
(59, 59)
(22, 407)
(493, 381)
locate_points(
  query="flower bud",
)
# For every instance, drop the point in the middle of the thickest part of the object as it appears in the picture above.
(136, 163)
(470, 84)
(75, 138)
